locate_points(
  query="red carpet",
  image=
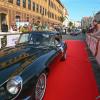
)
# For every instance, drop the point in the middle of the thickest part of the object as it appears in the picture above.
(72, 79)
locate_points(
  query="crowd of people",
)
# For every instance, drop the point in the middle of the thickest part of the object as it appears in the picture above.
(94, 29)
(28, 27)
(34, 27)
(25, 27)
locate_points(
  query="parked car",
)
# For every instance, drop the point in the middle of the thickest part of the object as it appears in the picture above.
(75, 32)
(62, 30)
(24, 67)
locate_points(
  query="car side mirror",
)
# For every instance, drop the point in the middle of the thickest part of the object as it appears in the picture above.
(60, 47)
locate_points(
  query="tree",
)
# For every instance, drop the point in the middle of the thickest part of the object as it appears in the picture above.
(62, 18)
(70, 24)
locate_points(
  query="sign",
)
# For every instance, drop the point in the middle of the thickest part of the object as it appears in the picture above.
(21, 24)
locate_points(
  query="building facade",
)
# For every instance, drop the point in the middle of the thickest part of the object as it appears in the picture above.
(66, 17)
(45, 11)
(86, 22)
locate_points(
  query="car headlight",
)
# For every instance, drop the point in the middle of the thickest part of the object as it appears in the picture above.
(14, 85)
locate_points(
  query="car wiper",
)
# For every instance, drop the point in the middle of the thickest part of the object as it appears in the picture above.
(42, 46)
(25, 43)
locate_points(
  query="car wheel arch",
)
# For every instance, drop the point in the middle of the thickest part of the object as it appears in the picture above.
(35, 84)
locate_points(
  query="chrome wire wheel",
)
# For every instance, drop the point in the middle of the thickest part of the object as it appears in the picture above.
(40, 87)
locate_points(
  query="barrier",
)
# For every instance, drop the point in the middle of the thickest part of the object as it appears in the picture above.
(98, 54)
(8, 39)
(88, 39)
(93, 43)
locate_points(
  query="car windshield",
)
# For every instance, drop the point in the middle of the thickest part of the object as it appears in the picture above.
(36, 39)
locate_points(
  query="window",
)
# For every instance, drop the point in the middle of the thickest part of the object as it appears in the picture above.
(45, 12)
(33, 6)
(27, 19)
(29, 4)
(52, 4)
(48, 14)
(55, 17)
(52, 15)
(17, 18)
(24, 3)
(37, 8)
(11, 1)
(40, 9)
(49, 3)
(18, 2)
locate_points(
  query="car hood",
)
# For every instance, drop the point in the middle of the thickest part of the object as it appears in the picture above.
(14, 61)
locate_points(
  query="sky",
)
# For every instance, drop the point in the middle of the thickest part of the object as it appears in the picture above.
(80, 8)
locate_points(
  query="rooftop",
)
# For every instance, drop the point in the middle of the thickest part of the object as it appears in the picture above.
(60, 3)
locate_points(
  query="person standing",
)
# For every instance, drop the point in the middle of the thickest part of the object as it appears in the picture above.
(4, 27)
(97, 23)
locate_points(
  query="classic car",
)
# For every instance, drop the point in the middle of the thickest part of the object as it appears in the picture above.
(25, 67)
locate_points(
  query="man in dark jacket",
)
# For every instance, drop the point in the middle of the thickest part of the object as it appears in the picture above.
(4, 27)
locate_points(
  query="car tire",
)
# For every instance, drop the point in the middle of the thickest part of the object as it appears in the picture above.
(40, 87)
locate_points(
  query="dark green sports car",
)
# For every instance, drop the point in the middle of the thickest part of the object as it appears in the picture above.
(25, 67)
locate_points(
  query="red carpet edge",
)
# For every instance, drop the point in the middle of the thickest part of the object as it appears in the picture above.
(72, 79)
